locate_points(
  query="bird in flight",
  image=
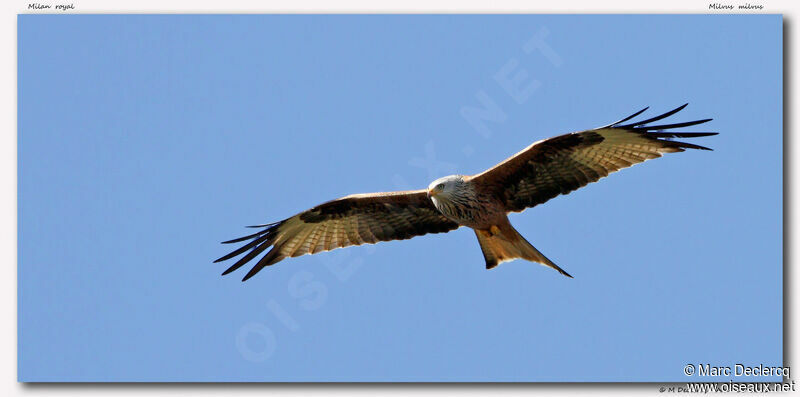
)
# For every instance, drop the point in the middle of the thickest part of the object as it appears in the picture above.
(541, 171)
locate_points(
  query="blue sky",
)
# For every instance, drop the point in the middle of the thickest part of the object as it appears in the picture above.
(144, 141)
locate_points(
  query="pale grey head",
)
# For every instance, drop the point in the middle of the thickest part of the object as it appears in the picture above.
(449, 192)
(445, 187)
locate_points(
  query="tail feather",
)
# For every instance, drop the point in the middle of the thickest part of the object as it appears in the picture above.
(504, 243)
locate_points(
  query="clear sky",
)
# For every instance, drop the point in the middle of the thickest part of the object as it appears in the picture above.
(144, 141)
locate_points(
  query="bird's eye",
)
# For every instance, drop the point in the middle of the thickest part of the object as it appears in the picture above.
(440, 186)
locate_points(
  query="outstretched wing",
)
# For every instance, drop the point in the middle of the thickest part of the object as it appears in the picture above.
(352, 220)
(565, 163)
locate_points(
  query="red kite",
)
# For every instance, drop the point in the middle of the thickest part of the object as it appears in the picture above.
(538, 173)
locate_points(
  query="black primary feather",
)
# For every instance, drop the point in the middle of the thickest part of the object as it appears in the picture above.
(645, 128)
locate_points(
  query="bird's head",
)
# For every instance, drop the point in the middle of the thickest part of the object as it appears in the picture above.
(446, 187)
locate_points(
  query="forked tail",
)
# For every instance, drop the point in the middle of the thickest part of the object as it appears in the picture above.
(503, 243)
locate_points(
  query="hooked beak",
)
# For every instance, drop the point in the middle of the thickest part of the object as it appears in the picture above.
(431, 193)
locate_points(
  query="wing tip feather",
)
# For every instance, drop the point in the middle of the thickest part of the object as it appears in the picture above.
(260, 241)
(655, 132)
(643, 124)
